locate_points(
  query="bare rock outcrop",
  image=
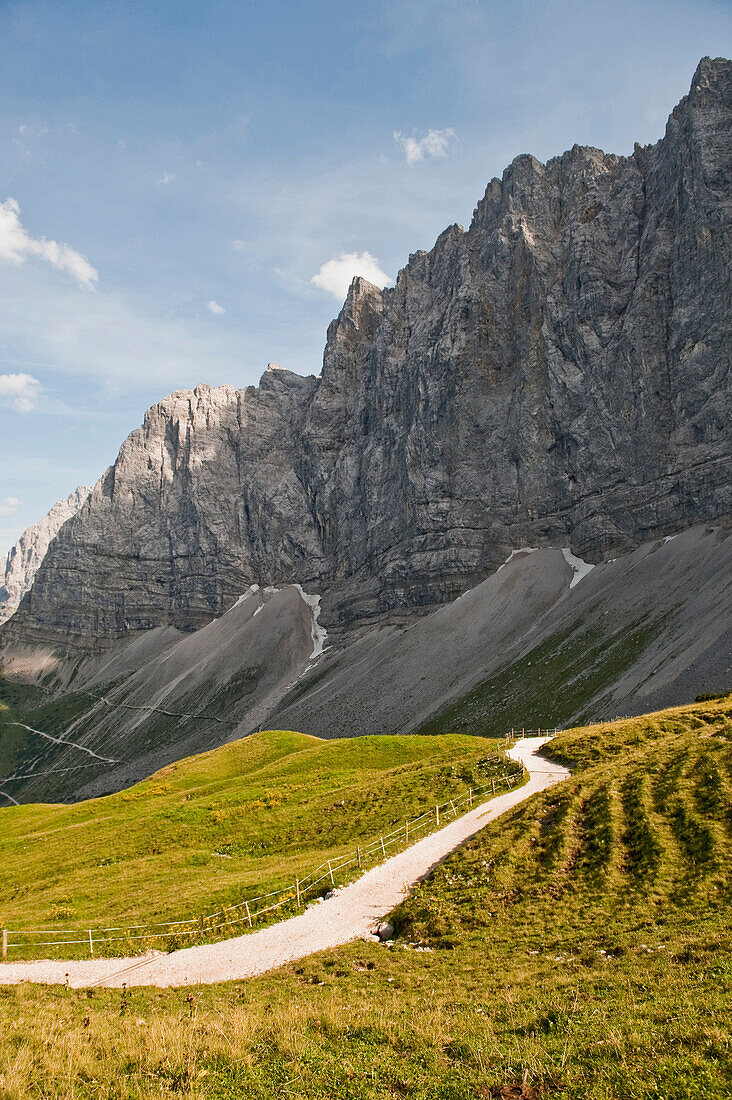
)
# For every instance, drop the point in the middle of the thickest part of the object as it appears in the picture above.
(24, 559)
(558, 374)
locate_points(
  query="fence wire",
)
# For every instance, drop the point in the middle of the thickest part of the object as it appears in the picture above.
(206, 924)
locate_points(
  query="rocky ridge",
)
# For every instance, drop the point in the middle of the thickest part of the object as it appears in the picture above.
(24, 559)
(556, 375)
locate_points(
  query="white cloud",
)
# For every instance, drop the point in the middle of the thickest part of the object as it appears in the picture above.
(20, 390)
(166, 178)
(214, 307)
(16, 245)
(239, 246)
(9, 506)
(117, 341)
(26, 130)
(336, 275)
(435, 143)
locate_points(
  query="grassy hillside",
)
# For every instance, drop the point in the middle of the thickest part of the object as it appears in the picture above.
(557, 681)
(220, 827)
(580, 946)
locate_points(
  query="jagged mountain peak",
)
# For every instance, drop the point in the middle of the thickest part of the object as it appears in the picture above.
(553, 376)
(553, 379)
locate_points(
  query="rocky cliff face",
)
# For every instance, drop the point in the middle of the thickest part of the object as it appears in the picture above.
(558, 374)
(24, 559)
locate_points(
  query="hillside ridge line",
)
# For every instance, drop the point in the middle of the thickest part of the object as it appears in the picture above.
(350, 914)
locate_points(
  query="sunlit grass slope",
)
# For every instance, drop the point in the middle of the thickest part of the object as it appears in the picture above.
(222, 826)
(582, 943)
(642, 828)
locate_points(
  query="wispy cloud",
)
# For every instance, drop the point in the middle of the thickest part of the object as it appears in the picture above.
(336, 275)
(20, 390)
(214, 307)
(28, 130)
(17, 245)
(9, 506)
(110, 341)
(239, 246)
(435, 144)
(166, 178)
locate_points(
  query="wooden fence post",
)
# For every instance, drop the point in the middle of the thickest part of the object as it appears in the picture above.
(383, 849)
(406, 832)
(249, 915)
(493, 786)
(5, 943)
(358, 855)
(437, 815)
(297, 891)
(470, 796)
(330, 872)
(91, 943)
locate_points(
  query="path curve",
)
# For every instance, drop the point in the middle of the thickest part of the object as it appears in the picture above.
(352, 913)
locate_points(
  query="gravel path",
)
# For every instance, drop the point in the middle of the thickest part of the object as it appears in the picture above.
(352, 913)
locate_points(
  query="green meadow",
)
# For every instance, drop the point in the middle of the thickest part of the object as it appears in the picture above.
(218, 828)
(580, 947)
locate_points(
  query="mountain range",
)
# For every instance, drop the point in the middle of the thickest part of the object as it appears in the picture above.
(504, 501)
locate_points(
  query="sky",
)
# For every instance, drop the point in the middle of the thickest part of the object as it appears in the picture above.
(186, 189)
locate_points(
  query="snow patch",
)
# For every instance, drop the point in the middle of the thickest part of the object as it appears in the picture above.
(669, 538)
(318, 632)
(579, 567)
(515, 553)
(251, 591)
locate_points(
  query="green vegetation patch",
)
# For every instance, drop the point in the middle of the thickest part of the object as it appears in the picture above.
(555, 680)
(577, 947)
(27, 704)
(220, 828)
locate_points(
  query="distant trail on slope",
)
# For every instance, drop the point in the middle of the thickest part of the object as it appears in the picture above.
(101, 759)
(157, 710)
(63, 741)
(350, 914)
(42, 775)
(10, 798)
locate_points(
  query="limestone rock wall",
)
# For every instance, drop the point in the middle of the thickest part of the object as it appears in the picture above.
(24, 559)
(558, 374)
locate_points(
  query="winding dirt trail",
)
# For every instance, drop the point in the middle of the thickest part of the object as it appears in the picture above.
(63, 741)
(350, 914)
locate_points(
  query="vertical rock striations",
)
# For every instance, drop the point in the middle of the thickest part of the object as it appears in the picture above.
(558, 374)
(24, 559)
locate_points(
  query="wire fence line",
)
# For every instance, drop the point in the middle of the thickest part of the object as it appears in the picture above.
(245, 912)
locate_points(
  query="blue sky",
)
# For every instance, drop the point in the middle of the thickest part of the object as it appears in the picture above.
(174, 175)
